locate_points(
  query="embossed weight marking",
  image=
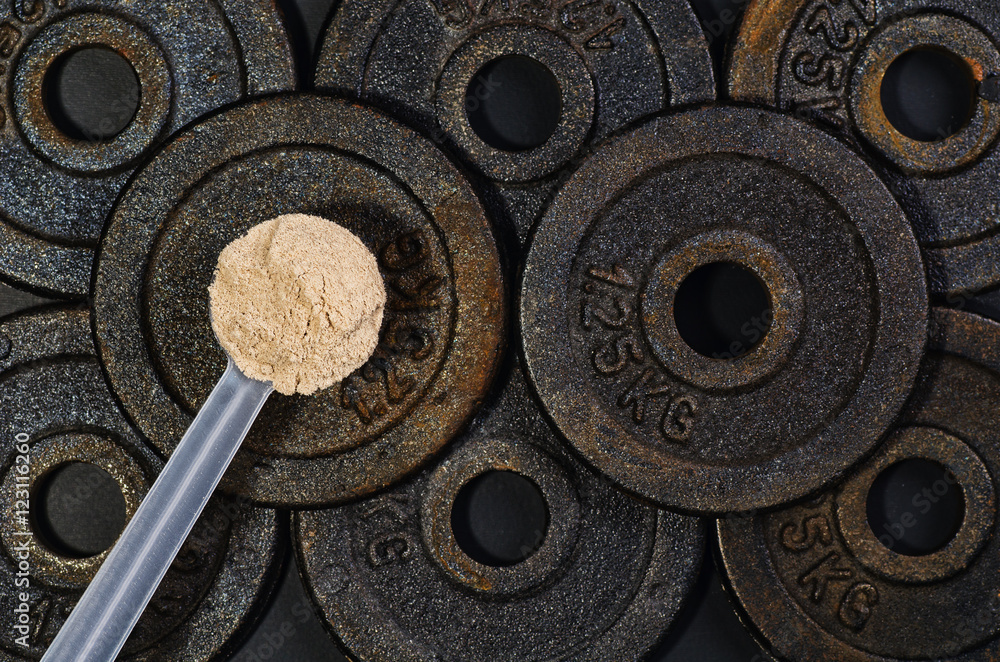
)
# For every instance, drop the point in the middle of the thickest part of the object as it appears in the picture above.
(603, 581)
(444, 326)
(52, 394)
(56, 189)
(613, 61)
(829, 59)
(802, 388)
(818, 583)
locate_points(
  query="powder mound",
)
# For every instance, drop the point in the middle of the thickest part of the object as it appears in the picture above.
(298, 302)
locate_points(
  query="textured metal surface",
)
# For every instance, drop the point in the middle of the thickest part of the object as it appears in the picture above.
(615, 61)
(190, 57)
(607, 579)
(444, 327)
(848, 309)
(52, 392)
(817, 583)
(827, 59)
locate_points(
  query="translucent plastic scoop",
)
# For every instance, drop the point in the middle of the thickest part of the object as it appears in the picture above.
(101, 621)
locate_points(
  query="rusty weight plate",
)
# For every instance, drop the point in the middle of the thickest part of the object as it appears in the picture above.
(603, 579)
(444, 326)
(612, 61)
(53, 397)
(818, 583)
(828, 59)
(189, 58)
(800, 395)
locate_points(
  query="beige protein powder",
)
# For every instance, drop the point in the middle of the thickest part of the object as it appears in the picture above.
(297, 301)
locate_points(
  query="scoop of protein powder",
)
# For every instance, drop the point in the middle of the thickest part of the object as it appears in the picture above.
(298, 302)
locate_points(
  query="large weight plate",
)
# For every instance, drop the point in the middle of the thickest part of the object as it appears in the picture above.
(603, 581)
(53, 397)
(790, 405)
(189, 57)
(816, 581)
(444, 325)
(613, 61)
(828, 59)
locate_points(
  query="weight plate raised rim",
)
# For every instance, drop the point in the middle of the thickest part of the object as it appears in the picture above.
(247, 570)
(938, 182)
(340, 66)
(511, 436)
(658, 42)
(892, 361)
(780, 624)
(34, 253)
(478, 322)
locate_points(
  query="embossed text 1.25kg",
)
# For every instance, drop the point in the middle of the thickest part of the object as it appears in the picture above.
(712, 419)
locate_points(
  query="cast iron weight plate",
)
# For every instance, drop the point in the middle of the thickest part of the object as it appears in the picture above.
(843, 285)
(445, 321)
(190, 57)
(614, 61)
(827, 59)
(817, 583)
(53, 392)
(603, 581)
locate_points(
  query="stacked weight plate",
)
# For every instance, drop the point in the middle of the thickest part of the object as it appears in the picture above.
(57, 415)
(561, 322)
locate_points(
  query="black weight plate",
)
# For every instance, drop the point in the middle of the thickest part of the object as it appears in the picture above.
(56, 189)
(603, 579)
(830, 60)
(821, 581)
(607, 63)
(802, 389)
(53, 399)
(444, 326)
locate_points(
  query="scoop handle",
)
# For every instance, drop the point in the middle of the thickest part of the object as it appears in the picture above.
(103, 618)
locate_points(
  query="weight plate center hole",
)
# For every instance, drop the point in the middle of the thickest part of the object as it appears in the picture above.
(928, 94)
(91, 94)
(514, 103)
(722, 310)
(78, 510)
(499, 518)
(915, 507)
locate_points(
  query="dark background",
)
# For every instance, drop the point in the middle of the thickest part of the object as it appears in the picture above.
(708, 629)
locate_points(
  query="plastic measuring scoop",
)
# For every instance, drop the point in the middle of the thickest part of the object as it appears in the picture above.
(100, 623)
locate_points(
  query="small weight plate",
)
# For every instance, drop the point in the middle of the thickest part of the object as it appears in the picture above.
(188, 57)
(53, 397)
(829, 60)
(444, 325)
(818, 582)
(608, 62)
(803, 390)
(603, 580)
